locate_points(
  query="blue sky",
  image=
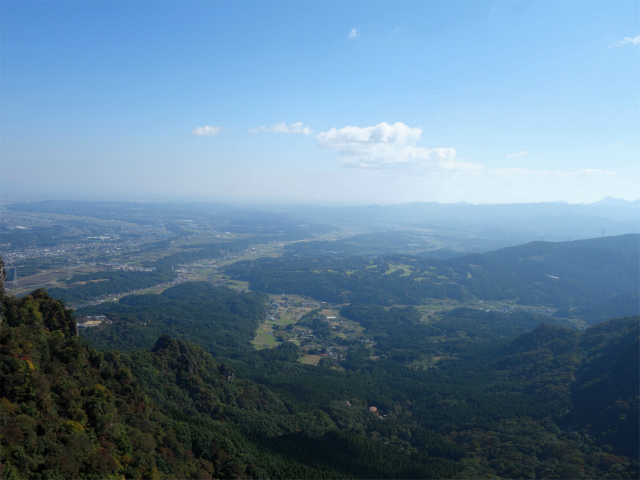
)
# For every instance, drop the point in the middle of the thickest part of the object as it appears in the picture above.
(340, 102)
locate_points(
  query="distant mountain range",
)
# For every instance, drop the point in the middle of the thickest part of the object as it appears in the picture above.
(614, 209)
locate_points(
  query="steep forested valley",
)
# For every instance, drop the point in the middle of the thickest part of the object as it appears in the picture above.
(520, 362)
(552, 403)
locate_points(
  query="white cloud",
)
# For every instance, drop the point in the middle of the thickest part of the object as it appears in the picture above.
(294, 128)
(206, 131)
(519, 154)
(388, 147)
(625, 41)
(353, 34)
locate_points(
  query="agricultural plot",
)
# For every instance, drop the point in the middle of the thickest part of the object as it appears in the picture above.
(264, 337)
(310, 359)
(405, 269)
(284, 311)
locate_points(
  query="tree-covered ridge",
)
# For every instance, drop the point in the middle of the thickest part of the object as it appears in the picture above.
(593, 375)
(621, 305)
(222, 320)
(457, 396)
(525, 421)
(402, 334)
(564, 274)
(349, 279)
(71, 412)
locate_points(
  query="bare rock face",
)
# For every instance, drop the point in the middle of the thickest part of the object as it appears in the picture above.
(227, 372)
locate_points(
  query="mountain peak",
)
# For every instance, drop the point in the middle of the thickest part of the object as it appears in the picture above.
(615, 202)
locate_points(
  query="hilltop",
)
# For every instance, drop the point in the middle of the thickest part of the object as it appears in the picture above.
(562, 275)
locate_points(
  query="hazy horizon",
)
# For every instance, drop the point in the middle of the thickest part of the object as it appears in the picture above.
(257, 203)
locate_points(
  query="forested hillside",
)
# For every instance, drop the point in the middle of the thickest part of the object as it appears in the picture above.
(222, 320)
(564, 275)
(465, 389)
(171, 385)
(69, 411)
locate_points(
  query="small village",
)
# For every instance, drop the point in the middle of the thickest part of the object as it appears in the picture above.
(315, 326)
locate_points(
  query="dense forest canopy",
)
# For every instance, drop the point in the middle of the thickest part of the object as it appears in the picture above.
(176, 411)
(171, 386)
(563, 275)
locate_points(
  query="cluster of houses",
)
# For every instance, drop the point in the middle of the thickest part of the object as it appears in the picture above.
(127, 268)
